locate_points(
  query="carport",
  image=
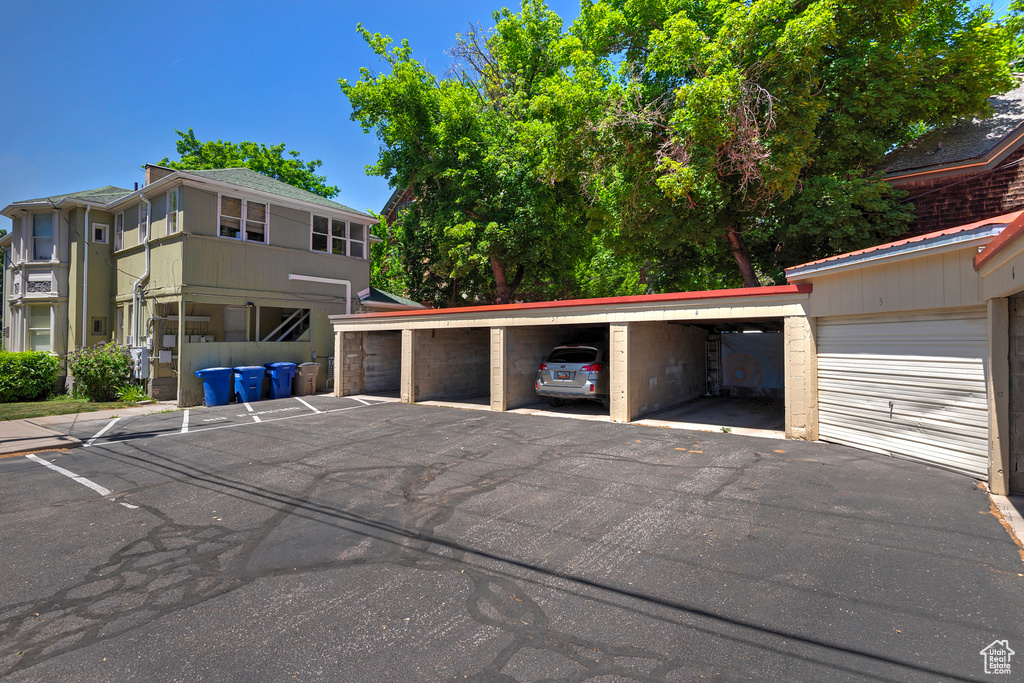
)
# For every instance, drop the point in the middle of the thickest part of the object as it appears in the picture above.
(373, 363)
(658, 349)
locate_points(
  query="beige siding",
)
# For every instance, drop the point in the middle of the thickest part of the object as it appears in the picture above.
(226, 264)
(999, 276)
(944, 280)
(199, 208)
(289, 228)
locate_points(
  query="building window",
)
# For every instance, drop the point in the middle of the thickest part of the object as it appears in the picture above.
(42, 237)
(143, 222)
(99, 233)
(342, 238)
(119, 231)
(236, 212)
(39, 328)
(172, 211)
(99, 326)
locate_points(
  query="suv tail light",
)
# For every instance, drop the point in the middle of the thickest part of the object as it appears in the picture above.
(593, 367)
(543, 366)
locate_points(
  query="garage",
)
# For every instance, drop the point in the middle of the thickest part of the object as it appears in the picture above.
(907, 386)
(449, 363)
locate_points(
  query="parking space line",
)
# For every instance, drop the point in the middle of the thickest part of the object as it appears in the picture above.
(101, 432)
(229, 426)
(256, 418)
(184, 423)
(306, 404)
(67, 473)
(365, 403)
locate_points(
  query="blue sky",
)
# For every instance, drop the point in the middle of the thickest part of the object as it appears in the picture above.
(94, 90)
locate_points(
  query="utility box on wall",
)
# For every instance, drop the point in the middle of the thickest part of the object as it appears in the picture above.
(140, 362)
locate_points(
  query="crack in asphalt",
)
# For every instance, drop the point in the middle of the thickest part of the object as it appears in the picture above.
(176, 566)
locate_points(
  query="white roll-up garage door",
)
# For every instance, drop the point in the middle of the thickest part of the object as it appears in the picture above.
(911, 387)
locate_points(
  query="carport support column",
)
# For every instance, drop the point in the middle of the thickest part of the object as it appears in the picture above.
(339, 361)
(499, 366)
(622, 408)
(998, 381)
(408, 366)
(801, 378)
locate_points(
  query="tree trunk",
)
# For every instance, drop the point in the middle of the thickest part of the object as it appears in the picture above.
(738, 249)
(504, 291)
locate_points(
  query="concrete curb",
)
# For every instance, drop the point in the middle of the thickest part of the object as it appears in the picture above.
(1010, 510)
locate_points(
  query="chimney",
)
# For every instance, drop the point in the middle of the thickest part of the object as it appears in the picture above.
(155, 173)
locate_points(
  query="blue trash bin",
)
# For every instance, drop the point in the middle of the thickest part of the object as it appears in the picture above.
(280, 379)
(216, 385)
(249, 382)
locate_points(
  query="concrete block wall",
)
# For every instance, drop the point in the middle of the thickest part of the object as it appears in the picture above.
(448, 363)
(1016, 392)
(352, 364)
(515, 354)
(382, 361)
(801, 362)
(655, 365)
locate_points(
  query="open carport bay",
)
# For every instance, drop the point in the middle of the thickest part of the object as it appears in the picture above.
(372, 363)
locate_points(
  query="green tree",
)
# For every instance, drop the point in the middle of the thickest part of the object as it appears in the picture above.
(760, 126)
(270, 161)
(496, 217)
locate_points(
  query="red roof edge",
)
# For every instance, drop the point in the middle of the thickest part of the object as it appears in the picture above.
(778, 290)
(1011, 232)
(1005, 218)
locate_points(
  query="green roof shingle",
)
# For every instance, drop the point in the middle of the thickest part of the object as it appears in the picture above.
(245, 177)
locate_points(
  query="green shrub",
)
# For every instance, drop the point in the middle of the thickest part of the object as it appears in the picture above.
(100, 370)
(27, 376)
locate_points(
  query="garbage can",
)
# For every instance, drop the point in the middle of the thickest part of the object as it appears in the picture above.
(305, 378)
(281, 375)
(216, 385)
(249, 382)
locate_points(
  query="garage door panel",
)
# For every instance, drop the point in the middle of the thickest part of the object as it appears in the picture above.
(931, 369)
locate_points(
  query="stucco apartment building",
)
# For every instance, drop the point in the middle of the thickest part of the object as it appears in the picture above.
(201, 268)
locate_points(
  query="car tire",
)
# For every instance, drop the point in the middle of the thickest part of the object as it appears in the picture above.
(606, 403)
(556, 402)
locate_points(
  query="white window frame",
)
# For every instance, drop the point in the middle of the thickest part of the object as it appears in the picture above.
(173, 217)
(143, 222)
(29, 330)
(345, 239)
(119, 231)
(32, 238)
(243, 235)
(105, 228)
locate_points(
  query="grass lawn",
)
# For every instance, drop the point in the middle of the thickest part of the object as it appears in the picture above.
(56, 406)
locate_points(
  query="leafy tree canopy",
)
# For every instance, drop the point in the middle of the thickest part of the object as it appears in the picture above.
(667, 144)
(270, 161)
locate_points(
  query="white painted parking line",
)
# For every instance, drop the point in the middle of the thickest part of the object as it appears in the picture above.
(256, 418)
(306, 404)
(101, 432)
(67, 473)
(365, 403)
(184, 423)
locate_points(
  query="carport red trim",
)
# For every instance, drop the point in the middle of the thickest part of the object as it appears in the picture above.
(1009, 234)
(780, 290)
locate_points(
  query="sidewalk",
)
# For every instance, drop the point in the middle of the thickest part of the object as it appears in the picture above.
(18, 437)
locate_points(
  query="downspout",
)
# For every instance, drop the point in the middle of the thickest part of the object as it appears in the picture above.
(136, 292)
(85, 277)
(328, 281)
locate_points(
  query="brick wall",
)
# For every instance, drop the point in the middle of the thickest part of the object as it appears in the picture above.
(982, 195)
(452, 363)
(525, 348)
(382, 361)
(655, 365)
(801, 360)
(352, 364)
(1016, 315)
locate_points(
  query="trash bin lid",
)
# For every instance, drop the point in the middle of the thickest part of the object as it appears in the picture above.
(279, 365)
(249, 368)
(203, 371)
(307, 364)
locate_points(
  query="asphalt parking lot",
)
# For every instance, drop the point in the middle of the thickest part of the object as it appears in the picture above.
(342, 539)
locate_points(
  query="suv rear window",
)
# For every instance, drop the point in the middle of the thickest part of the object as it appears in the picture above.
(573, 355)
